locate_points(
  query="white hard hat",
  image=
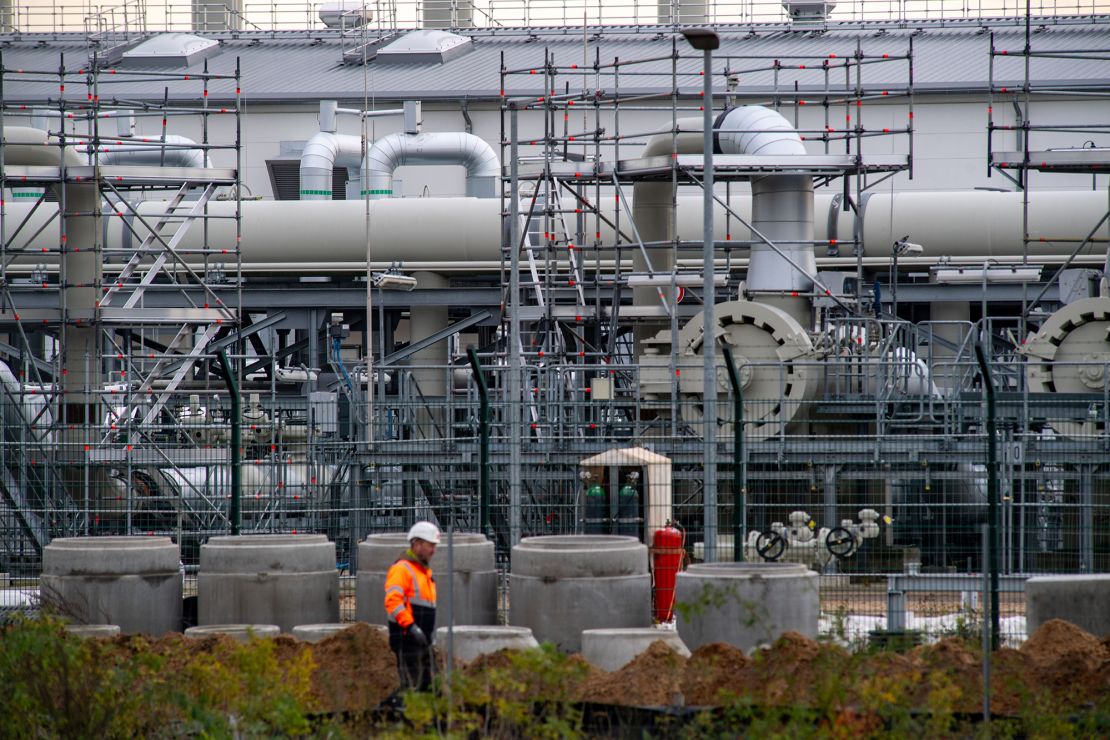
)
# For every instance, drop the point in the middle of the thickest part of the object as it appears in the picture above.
(424, 531)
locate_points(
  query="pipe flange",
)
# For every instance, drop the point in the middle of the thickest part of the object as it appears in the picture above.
(1093, 375)
(771, 350)
(1070, 353)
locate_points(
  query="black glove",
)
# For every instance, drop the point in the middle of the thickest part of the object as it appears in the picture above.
(417, 635)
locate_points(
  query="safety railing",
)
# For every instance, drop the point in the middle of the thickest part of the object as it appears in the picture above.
(56, 16)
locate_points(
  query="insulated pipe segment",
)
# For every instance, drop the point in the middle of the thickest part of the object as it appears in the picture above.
(654, 214)
(483, 169)
(175, 151)
(81, 262)
(782, 206)
(956, 223)
(322, 152)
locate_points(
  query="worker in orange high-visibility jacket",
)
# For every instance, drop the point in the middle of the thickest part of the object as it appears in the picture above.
(410, 603)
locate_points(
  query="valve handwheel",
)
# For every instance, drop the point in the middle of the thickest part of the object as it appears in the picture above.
(840, 542)
(770, 545)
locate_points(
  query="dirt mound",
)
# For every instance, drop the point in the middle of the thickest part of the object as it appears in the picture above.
(502, 659)
(1057, 641)
(713, 672)
(653, 678)
(355, 669)
(948, 652)
(786, 672)
(1068, 661)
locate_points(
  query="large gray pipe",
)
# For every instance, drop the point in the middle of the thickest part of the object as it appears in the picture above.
(483, 169)
(958, 224)
(429, 372)
(654, 215)
(322, 152)
(175, 151)
(782, 208)
(80, 273)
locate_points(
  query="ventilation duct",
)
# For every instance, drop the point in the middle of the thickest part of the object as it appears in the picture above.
(447, 13)
(224, 15)
(684, 12)
(345, 14)
(483, 170)
(803, 12)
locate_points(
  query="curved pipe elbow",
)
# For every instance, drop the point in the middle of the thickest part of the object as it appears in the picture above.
(483, 168)
(753, 129)
(118, 151)
(321, 154)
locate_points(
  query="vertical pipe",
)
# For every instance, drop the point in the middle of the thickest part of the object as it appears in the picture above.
(515, 407)
(236, 442)
(992, 491)
(987, 635)
(739, 468)
(709, 344)
(1086, 519)
(483, 445)
(430, 364)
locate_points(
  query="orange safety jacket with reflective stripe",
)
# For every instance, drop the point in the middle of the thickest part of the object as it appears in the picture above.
(410, 592)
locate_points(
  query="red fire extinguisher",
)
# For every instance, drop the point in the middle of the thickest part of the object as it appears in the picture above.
(667, 552)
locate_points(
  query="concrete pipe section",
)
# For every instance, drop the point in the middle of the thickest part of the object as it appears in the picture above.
(474, 582)
(94, 631)
(472, 641)
(268, 579)
(563, 584)
(237, 632)
(1083, 600)
(318, 632)
(132, 582)
(613, 649)
(745, 604)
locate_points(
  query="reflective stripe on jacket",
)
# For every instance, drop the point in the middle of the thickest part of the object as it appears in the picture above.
(409, 586)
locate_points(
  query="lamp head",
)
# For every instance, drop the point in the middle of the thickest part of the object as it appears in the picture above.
(702, 39)
(905, 247)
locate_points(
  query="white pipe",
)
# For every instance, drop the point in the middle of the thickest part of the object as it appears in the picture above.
(80, 268)
(483, 169)
(782, 205)
(964, 225)
(175, 151)
(322, 152)
(654, 216)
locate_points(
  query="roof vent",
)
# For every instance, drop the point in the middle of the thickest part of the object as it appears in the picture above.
(171, 50)
(808, 11)
(424, 47)
(345, 14)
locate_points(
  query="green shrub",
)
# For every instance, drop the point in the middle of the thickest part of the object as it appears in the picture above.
(58, 685)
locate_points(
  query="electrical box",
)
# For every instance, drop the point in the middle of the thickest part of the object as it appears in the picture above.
(323, 410)
(601, 389)
(413, 117)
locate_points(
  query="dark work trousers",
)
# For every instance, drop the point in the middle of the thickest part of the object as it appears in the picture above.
(414, 665)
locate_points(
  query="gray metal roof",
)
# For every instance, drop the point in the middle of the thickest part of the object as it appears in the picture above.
(305, 66)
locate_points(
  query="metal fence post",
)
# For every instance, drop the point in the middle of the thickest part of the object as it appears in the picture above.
(992, 491)
(739, 484)
(234, 514)
(483, 445)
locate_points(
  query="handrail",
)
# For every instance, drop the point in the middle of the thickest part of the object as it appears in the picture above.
(63, 16)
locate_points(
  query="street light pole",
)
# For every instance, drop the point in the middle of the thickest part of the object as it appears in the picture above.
(706, 41)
